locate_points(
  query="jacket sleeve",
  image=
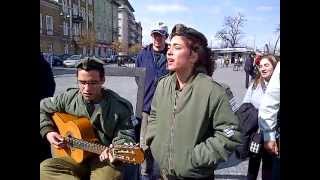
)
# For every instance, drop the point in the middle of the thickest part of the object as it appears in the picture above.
(47, 107)
(152, 123)
(270, 106)
(224, 138)
(124, 132)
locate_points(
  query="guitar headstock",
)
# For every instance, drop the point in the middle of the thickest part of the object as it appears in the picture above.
(132, 154)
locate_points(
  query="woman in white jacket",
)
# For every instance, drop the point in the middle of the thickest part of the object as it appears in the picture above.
(269, 121)
(254, 96)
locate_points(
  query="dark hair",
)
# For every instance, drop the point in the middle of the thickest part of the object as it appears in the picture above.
(273, 62)
(197, 43)
(89, 64)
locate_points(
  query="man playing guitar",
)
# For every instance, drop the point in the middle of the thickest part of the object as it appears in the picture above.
(110, 116)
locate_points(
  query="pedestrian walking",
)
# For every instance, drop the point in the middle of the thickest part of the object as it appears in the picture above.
(249, 68)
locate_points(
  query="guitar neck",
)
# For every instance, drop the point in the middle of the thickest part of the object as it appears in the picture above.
(85, 145)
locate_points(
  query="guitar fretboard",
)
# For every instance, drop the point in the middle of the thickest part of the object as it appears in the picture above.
(85, 145)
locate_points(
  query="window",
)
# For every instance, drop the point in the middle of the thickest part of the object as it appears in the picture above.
(98, 36)
(65, 7)
(75, 10)
(83, 13)
(65, 28)
(49, 24)
(76, 30)
(40, 23)
(90, 16)
(66, 49)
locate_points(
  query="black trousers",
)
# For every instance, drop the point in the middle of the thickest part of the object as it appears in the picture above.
(168, 177)
(254, 166)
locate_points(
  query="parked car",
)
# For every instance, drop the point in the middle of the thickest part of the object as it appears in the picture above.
(65, 56)
(104, 59)
(122, 59)
(112, 59)
(133, 58)
(56, 60)
(72, 61)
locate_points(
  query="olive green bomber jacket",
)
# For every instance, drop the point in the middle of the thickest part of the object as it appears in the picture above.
(203, 130)
(111, 119)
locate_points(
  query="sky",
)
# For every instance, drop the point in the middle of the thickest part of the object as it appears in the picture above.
(207, 16)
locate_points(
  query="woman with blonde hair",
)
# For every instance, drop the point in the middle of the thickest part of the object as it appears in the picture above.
(256, 90)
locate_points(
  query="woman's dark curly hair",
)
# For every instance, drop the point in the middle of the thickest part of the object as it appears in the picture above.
(197, 43)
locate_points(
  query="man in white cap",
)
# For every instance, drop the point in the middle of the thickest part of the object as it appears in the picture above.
(153, 58)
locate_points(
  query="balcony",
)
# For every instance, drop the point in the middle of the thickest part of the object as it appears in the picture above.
(132, 35)
(77, 19)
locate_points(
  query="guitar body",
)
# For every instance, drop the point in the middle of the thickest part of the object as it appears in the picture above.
(81, 141)
(79, 128)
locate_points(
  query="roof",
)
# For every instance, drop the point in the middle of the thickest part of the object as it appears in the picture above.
(127, 3)
(231, 50)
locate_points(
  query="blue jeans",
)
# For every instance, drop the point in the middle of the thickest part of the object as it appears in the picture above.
(152, 172)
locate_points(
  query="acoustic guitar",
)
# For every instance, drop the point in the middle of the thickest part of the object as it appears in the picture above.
(81, 141)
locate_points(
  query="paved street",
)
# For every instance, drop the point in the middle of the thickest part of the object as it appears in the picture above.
(126, 86)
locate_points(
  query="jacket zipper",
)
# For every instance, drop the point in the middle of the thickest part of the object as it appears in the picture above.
(171, 149)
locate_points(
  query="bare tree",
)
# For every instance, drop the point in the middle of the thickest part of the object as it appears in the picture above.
(117, 46)
(231, 32)
(134, 49)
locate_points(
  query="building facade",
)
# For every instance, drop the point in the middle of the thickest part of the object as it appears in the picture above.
(130, 31)
(88, 27)
(78, 26)
(134, 31)
(106, 26)
(139, 33)
(51, 27)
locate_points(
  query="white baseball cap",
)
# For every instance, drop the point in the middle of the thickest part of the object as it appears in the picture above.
(161, 29)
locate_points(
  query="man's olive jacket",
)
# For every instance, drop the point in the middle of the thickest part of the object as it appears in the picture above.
(111, 119)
